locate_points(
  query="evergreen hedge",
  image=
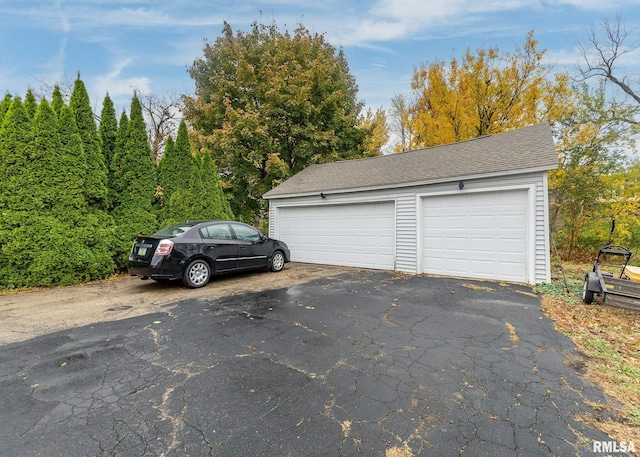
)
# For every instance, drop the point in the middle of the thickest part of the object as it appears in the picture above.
(74, 194)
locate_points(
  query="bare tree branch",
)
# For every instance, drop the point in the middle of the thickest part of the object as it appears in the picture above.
(603, 55)
(162, 115)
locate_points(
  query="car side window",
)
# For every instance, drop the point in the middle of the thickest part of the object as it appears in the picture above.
(216, 232)
(246, 233)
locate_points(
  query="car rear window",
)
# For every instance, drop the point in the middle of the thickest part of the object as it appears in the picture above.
(173, 231)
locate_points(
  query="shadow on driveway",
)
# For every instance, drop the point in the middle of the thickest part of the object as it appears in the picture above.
(368, 363)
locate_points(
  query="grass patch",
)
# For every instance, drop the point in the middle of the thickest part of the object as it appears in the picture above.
(610, 338)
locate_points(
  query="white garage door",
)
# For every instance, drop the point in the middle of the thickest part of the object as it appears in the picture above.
(476, 235)
(358, 235)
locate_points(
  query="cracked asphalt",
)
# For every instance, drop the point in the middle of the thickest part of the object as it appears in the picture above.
(360, 364)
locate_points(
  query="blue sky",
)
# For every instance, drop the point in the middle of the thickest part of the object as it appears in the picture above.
(148, 45)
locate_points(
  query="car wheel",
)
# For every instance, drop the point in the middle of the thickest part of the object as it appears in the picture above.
(587, 295)
(196, 274)
(277, 261)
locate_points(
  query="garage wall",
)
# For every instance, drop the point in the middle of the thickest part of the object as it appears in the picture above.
(407, 222)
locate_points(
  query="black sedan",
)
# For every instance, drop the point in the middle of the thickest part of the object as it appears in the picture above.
(194, 251)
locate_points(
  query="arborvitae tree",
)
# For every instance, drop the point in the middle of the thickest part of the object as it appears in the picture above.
(96, 179)
(47, 166)
(174, 170)
(181, 207)
(56, 100)
(95, 185)
(76, 245)
(135, 176)
(4, 105)
(196, 190)
(73, 166)
(215, 203)
(30, 103)
(15, 135)
(163, 175)
(108, 129)
(24, 241)
(52, 262)
(116, 178)
(90, 232)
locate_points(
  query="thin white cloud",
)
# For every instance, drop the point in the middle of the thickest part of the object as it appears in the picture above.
(389, 20)
(117, 85)
(53, 69)
(596, 5)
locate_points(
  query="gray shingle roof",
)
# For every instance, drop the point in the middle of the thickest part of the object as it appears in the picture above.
(526, 149)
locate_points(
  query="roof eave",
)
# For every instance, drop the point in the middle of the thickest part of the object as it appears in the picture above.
(414, 183)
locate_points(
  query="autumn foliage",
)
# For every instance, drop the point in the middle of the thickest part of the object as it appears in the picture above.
(487, 91)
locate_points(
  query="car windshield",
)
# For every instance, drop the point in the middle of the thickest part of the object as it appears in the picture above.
(173, 231)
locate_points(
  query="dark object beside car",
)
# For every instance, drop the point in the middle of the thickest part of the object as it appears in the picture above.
(613, 289)
(195, 251)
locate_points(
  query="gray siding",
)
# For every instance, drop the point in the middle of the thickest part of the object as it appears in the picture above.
(407, 201)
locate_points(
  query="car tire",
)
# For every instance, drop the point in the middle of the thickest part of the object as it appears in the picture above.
(277, 261)
(196, 274)
(587, 295)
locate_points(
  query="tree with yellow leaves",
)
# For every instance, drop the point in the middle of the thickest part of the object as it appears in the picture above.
(483, 93)
(592, 184)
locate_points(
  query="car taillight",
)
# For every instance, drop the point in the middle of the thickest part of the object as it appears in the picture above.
(164, 247)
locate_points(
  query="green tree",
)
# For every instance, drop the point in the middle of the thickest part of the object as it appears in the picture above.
(72, 165)
(96, 179)
(60, 256)
(47, 236)
(186, 202)
(116, 180)
(591, 138)
(175, 167)
(56, 100)
(91, 232)
(30, 103)
(214, 202)
(4, 106)
(108, 132)
(268, 104)
(134, 176)
(15, 139)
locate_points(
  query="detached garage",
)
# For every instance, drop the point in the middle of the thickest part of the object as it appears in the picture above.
(475, 209)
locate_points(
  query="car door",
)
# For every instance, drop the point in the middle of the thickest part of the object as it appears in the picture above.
(220, 246)
(253, 248)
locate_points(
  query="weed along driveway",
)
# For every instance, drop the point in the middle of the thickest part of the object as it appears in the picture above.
(345, 362)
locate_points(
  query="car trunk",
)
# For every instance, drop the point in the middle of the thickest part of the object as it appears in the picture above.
(143, 248)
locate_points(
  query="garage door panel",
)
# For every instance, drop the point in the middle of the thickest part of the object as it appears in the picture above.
(482, 221)
(482, 245)
(509, 221)
(486, 267)
(484, 235)
(353, 235)
(456, 222)
(457, 243)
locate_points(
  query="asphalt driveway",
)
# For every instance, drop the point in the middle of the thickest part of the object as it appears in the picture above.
(364, 363)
